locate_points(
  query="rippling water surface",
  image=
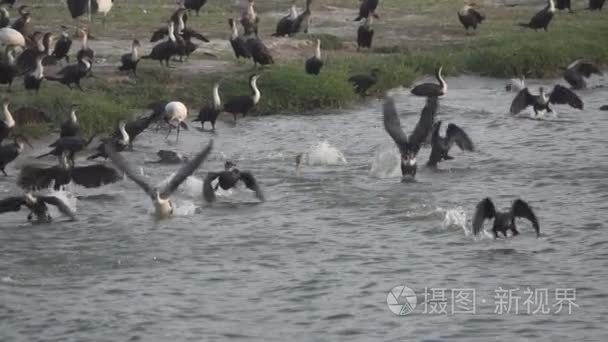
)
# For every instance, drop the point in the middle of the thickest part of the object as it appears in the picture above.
(317, 260)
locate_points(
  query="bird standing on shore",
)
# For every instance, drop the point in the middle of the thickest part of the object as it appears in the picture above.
(367, 8)
(244, 104)
(314, 64)
(470, 17)
(541, 19)
(432, 89)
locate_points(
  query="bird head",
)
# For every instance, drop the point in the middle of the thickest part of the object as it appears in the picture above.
(20, 139)
(29, 198)
(376, 71)
(6, 102)
(136, 43)
(229, 165)
(299, 158)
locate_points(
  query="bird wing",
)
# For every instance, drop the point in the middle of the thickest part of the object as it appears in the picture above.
(563, 95)
(60, 205)
(34, 177)
(484, 210)
(121, 163)
(199, 36)
(392, 124)
(425, 124)
(523, 210)
(93, 176)
(186, 170)
(480, 17)
(159, 34)
(11, 204)
(587, 69)
(522, 100)
(208, 192)
(456, 135)
(251, 183)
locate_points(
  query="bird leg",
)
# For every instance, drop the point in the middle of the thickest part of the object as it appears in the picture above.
(168, 133)
(4, 172)
(177, 138)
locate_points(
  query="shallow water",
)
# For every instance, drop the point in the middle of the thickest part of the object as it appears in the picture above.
(317, 260)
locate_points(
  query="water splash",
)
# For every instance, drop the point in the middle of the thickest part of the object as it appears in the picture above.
(323, 153)
(456, 218)
(67, 197)
(386, 164)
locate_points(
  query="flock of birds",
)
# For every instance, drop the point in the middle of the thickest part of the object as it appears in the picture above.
(39, 49)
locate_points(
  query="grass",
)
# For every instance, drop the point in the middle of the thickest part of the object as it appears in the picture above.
(498, 49)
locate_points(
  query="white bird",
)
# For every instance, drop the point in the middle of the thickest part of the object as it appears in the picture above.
(160, 195)
(11, 37)
(175, 115)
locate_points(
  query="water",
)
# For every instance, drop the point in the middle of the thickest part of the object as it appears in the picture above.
(317, 260)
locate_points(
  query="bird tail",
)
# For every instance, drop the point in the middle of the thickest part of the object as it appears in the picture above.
(52, 78)
(358, 18)
(95, 156)
(146, 57)
(523, 24)
(43, 155)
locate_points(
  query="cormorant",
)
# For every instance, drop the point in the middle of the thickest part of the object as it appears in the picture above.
(8, 122)
(432, 89)
(23, 24)
(441, 145)
(62, 46)
(38, 206)
(165, 50)
(10, 3)
(563, 4)
(285, 24)
(367, 8)
(302, 22)
(129, 60)
(70, 127)
(409, 146)
(244, 104)
(577, 71)
(8, 68)
(160, 196)
(361, 83)
(541, 102)
(250, 19)
(239, 44)
(259, 52)
(136, 127)
(314, 63)
(210, 112)
(68, 146)
(10, 152)
(503, 221)
(228, 179)
(118, 143)
(5, 18)
(469, 17)
(541, 19)
(596, 5)
(85, 51)
(365, 34)
(73, 73)
(33, 79)
(194, 5)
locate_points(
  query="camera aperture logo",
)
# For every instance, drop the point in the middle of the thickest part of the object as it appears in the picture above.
(401, 300)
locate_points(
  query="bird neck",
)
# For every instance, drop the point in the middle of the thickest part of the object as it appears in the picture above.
(293, 12)
(465, 9)
(10, 56)
(30, 199)
(39, 71)
(251, 10)
(217, 102)
(39, 45)
(20, 147)
(85, 41)
(181, 25)
(235, 30)
(444, 85)
(86, 64)
(318, 50)
(124, 134)
(551, 6)
(134, 52)
(171, 33)
(255, 90)
(8, 117)
(73, 117)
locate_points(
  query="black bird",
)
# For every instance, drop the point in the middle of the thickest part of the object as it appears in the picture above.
(441, 145)
(118, 144)
(604, 107)
(62, 46)
(409, 146)
(367, 8)
(165, 50)
(23, 24)
(8, 68)
(5, 18)
(8, 122)
(563, 4)
(541, 102)
(302, 22)
(314, 64)
(361, 83)
(503, 221)
(85, 51)
(68, 146)
(596, 5)
(577, 71)
(136, 127)
(210, 112)
(238, 43)
(70, 127)
(33, 79)
(250, 19)
(129, 60)
(469, 17)
(180, 29)
(10, 152)
(244, 104)
(228, 179)
(36, 177)
(160, 196)
(432, 89)
(170, 158)
(26, 61)
(38, 206)
(259, 52)
(365, 34)
(194, 5)
(73, 73)
(286, 23)
(541, 19)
